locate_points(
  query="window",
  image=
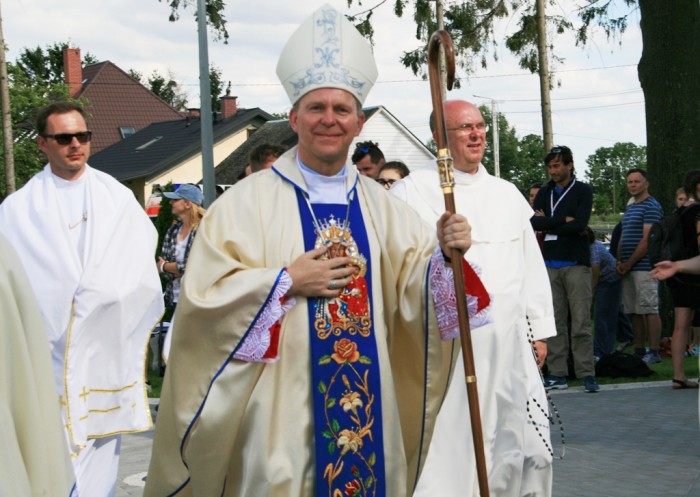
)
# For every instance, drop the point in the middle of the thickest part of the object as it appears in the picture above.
(126, 131)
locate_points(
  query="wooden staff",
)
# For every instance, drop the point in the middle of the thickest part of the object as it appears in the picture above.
(447, 183)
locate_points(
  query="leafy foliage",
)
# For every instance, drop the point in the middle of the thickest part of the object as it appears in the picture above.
(214, 12)
(46, 64)
(168, 89)
(520, 160)
(610, 195)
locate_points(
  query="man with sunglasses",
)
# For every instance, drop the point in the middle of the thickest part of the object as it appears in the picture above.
(88, 249)
(512, 400)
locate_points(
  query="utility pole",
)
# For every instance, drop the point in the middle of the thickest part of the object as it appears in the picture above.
(496, 136)
(10, 185)
(546, 103)
(442, 65)
(496, 139)
(206, 123)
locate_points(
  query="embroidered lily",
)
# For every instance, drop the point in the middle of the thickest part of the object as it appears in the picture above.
(349, 441)
(351, 401)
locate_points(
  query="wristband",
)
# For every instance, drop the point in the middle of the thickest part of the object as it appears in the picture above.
(162, 266)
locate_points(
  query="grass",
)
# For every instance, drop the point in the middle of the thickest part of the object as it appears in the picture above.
(663, 371)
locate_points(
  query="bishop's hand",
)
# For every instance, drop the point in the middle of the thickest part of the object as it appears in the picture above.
(454, 231)
(319, 278)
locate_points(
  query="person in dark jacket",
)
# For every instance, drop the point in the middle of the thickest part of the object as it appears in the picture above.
(562, 210)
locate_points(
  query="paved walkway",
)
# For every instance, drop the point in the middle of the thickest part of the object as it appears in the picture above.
(637, 440)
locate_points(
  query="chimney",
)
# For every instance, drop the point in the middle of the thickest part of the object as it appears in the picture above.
(228, 107)
(193, 112)
(73, 69)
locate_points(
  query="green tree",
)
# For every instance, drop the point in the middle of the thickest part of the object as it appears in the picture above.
(530, 165)
(46, 64)
(27, 95)
(606, 175)
(214, 10)
(168, 89)
(216, 85)
(520, 160)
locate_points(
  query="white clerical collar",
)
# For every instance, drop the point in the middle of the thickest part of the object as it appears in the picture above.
(325, 189)
(64, 183)
(462, 178)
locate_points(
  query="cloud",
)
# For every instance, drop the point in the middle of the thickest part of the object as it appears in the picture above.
(137, 34)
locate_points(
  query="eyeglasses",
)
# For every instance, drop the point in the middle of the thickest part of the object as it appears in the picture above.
(67, 138)
(556, 150)
(386, 182)
(469, 127)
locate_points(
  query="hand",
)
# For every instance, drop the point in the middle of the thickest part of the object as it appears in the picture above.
(540, 348)
(663, 270)
(622, 268)
(569, 219)
(539, 213)
(454, 232)
(314, 278)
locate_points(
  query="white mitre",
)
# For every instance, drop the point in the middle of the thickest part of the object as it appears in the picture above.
(327, 51)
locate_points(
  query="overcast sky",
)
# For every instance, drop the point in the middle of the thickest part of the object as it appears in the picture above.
(599, 100)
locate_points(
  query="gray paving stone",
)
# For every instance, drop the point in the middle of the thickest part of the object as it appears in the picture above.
(637, 440)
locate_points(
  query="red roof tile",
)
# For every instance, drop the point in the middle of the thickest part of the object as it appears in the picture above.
(116, 99)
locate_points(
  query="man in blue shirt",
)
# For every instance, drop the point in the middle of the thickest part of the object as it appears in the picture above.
(640, 293)
(562, 210)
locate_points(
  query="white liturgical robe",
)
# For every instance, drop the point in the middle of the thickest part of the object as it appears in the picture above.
(504, 248)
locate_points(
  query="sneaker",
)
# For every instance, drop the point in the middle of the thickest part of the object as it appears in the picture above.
(555, 383)
(590, 385)
(651, 358)
(623, 345)
(693, 351)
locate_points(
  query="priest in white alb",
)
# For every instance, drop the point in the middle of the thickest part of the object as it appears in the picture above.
(88, 249)
(306, 354)
(513, 403)
(34, 457)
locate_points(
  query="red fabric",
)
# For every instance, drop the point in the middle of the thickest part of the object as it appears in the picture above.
(273, 350)
(474, 286)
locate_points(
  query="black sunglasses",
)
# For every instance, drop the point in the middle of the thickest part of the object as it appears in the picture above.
(67, 138)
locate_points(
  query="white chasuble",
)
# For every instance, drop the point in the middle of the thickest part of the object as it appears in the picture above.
(34, 456)
(505, 249)
(231, 427)
(99, 311)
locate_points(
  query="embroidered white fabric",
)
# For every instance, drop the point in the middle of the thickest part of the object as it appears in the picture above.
(442, 288)
(257, 341)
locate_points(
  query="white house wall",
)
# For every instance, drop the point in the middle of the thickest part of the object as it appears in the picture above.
(394, 141)
(191, 170)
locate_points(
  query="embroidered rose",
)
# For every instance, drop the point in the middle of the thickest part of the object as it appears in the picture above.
(352, 488)
(348, 440)
(345, 350)
(351, 401)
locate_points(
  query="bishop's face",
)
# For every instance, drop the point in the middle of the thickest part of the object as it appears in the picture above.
(326, 120)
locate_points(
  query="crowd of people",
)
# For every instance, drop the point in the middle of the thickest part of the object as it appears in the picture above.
(314, 343)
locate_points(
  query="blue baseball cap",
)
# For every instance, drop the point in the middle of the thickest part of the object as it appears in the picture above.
(187, 192)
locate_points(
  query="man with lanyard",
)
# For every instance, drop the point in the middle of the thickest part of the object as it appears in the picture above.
(306, 355)
(88, 248)
(562, 210)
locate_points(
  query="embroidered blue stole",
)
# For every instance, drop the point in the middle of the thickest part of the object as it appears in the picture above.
(346, 383)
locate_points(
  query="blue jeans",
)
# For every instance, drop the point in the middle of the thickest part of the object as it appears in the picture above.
(607, 305)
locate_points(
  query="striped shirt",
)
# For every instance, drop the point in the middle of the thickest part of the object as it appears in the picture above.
(636, 216)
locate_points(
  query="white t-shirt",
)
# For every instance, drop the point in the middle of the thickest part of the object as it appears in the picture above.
(180, 248)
